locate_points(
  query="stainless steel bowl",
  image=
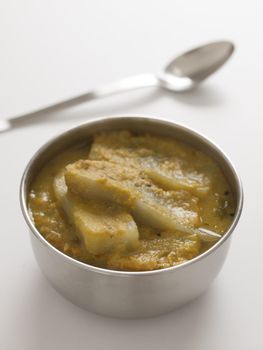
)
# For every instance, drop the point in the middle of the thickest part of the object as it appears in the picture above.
(129, 294)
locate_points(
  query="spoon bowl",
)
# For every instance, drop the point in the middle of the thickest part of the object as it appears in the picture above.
(192, 67)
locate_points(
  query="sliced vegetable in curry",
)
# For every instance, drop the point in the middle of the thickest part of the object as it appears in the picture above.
(131, 202)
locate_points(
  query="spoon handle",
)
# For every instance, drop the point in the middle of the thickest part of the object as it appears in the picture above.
(126, 84)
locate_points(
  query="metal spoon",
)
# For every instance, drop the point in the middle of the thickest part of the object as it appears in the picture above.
(182, 73)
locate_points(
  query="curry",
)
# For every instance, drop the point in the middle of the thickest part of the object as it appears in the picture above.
(131, 202)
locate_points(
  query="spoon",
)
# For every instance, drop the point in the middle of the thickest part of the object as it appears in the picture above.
(181, 74)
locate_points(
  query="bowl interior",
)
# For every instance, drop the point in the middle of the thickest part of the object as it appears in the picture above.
(83, 133)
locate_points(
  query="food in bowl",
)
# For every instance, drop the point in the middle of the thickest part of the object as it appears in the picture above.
(131, 202)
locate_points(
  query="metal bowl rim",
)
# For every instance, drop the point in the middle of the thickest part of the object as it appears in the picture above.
(198, 135)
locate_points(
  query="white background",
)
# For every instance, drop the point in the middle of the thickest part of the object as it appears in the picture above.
(51, 50)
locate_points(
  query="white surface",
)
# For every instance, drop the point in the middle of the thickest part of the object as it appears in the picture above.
(54, 49)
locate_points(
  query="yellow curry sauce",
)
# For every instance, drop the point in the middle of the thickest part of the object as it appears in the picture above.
(131, 202)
